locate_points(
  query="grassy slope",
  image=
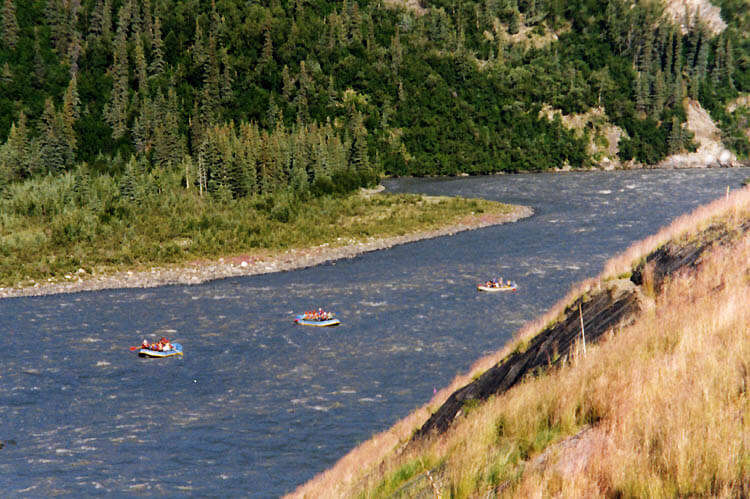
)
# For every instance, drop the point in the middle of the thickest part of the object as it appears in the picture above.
(659, 409)
(44, 235)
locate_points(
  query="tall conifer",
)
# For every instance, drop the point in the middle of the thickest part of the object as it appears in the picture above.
(116, 110)
(156, 67)
(9, 24)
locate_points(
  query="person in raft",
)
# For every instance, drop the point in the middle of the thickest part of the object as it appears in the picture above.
(163, 345)
(318, 315)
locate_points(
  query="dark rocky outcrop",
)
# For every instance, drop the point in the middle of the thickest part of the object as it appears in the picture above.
(683, 255)
(602, 311)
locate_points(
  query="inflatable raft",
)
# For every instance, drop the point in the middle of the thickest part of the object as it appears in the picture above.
(147, 352)
(494, 289)
(300, 319)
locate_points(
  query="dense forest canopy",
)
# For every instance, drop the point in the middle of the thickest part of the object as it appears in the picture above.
(246, 98)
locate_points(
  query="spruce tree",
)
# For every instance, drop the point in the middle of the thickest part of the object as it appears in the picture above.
(287, 85)
(141, 71)
(396, 52)
(74, 51)
(729, 66)
(147, 15)
(659, 95)
(14, 154)
(40, 68)
(116, 113)
(514, 22)
(211, 95)
(227, 79)
(55, 147)
(156, 67)
(9, 24)
(169, 146)
(266, 57)
(6, 75)
(71, 109)
(675, 137)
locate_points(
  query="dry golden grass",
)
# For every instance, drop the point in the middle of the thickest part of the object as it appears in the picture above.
(659, 409)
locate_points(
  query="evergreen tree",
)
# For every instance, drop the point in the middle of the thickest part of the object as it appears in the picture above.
(9, 24)
(199, 50)
(274, 115)
(514, 22)
(169, 146)
(55, 148)
(675, 137)
(148, 27)
(227, 78)
(141, 71)
(74, 51)
(71, 109)
(156, 67)
(211, 95)
(40, 68)
(266, 57)
(116, 113)
(6, 75)
(659, 96)
(15, 158)
(287, 85)
(396, 52)
(729, 66)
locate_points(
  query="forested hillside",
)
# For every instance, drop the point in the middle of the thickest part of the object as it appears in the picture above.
(113, 110)
(245, 95)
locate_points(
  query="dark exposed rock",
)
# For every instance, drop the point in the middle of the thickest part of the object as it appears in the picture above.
(602, 311)
(676, 256)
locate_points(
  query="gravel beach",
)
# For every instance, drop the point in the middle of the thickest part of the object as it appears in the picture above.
(249, 264)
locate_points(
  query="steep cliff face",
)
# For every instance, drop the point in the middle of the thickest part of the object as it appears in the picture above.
(684, 12)
(711, 151)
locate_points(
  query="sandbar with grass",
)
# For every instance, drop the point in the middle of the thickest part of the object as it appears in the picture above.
(182, 240)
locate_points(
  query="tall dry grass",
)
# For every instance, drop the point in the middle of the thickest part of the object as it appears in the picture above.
(661, 408)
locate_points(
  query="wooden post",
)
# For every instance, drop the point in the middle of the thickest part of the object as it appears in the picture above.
(583, 334)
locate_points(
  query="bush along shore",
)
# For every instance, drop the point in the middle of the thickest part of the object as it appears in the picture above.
(634, 384)
(52, 245)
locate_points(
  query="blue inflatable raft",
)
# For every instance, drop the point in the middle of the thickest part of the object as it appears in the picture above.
(147, 352)
(300, 319)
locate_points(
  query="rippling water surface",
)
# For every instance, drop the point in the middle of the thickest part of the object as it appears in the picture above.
(258, 406)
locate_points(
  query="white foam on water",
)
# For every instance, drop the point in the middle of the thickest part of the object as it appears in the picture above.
(374, 303)
(604, 191)
(90, 340)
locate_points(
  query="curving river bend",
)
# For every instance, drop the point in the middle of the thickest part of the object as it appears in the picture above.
(258, 406)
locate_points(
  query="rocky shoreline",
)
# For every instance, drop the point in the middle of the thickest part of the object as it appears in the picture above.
(245, 265)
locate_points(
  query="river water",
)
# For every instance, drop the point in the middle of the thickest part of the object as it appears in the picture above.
(257, 405)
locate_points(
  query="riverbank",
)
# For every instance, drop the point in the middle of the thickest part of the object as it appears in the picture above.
(634, 384)
(422, 217)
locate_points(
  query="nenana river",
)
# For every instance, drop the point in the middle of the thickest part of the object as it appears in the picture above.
(257, 405)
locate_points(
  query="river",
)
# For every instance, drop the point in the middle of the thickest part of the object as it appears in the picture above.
(258, 405)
